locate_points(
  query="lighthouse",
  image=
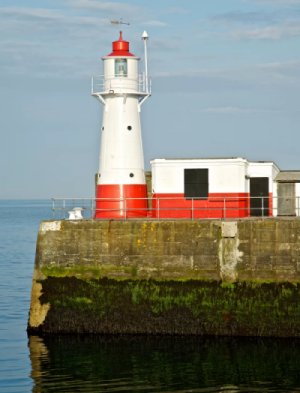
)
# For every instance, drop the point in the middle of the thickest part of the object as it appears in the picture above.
(121, 190)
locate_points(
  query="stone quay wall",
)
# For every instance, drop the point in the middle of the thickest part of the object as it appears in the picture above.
(207, 277)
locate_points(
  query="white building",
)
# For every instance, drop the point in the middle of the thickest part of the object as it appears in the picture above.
(213, 188)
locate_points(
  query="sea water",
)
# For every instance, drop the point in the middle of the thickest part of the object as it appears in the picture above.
(124, 363)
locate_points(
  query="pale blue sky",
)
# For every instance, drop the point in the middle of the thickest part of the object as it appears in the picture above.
(225, 76)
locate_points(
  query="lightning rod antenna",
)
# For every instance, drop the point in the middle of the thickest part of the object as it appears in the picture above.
(145, 38)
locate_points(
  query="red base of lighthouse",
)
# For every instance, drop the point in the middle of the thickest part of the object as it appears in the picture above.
(121, 201)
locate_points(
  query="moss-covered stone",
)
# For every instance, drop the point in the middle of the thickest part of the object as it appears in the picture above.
(170, 307)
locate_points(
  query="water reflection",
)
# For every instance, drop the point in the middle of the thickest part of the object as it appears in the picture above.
(164, 364)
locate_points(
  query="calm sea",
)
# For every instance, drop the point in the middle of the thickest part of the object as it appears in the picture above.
(119, 364)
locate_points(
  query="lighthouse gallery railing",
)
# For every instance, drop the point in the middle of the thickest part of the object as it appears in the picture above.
(101, 84)
(165, 207)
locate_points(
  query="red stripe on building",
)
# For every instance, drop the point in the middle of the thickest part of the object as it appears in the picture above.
(217, 205)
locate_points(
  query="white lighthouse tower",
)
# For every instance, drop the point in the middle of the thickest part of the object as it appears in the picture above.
(121, 190)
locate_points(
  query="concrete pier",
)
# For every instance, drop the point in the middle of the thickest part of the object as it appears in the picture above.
(207, 277)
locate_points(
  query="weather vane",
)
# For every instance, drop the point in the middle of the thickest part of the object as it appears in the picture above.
(119, 22)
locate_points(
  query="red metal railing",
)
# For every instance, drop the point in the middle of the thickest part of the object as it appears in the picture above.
(172, 208)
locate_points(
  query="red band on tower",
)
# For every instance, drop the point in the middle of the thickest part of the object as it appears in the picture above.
(121, 201)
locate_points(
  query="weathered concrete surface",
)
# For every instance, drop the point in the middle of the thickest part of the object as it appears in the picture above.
(173, 277)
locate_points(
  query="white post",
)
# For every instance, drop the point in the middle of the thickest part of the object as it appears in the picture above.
(145, 38)
(192, 208)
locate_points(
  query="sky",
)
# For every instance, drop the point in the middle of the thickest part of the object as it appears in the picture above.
(225, 83)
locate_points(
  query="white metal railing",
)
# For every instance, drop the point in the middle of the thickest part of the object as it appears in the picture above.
(174, 208)
(99, 84)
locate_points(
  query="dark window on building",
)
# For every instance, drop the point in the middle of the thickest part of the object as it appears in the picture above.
(196, 183)
(259, 196)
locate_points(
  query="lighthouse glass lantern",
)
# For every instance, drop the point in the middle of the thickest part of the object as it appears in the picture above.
(120, 68)
(121, 190)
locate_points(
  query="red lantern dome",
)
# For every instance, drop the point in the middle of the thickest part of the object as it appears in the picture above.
(120, 47)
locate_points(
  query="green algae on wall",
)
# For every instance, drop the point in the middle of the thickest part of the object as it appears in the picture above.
(170, 307)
